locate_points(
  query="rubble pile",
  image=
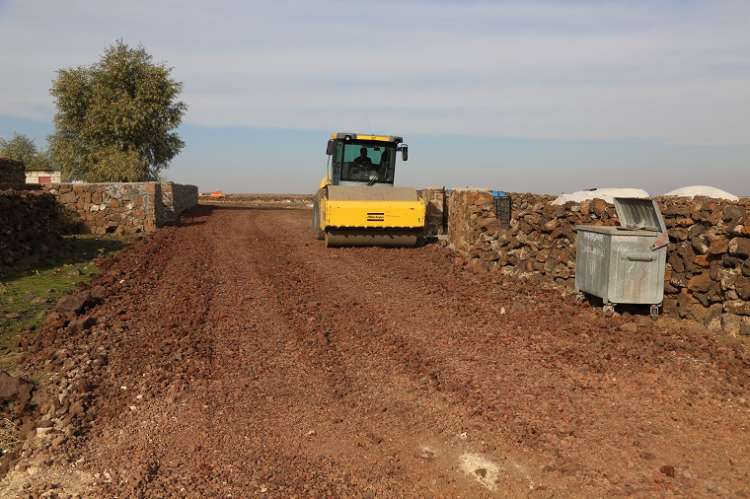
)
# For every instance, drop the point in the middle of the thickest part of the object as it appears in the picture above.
(58, 413)
(708, 269)
(50, 417)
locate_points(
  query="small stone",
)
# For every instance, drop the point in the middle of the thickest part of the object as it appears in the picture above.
(73, 304)
(687, 474)
(717, 489)
(739, 246)
(15, 389)
(551, 225)
(98, 293)
(742, 286)
(714, 323)
(629, 327)
(733, 213)
(676, 262)
(82, 324)
(599, 207)
(426, 453)
(699, 245)
(745, 326)
(702, 261)
(718, 247)
(731, 324)
(678, 234)
(738, 307)
(701, 282)
(667, 470)
(44, 432)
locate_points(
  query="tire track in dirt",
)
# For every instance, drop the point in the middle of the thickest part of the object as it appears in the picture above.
(595, 389)
(259, 363)
(321, 315)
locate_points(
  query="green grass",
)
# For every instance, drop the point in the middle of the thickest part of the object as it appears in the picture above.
(29, 292)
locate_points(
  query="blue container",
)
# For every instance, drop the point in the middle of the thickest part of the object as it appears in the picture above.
(502, 207)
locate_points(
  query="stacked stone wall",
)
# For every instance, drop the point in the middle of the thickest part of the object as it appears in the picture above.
(111, 208)
(708, 266)
(124, 208)
(29, 225)
(176, 198)
(708, 270)
(436, 219)
(12, 174)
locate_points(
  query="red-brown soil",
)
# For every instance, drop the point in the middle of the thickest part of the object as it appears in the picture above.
(236, 356)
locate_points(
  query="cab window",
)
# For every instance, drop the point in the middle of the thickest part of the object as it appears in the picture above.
(365, 162)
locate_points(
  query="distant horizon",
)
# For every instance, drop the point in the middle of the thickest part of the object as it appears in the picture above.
(305, 161)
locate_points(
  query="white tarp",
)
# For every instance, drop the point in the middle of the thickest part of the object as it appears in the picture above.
(607, 194)
(702, 190)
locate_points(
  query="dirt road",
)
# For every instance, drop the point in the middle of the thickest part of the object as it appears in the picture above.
(240, 358)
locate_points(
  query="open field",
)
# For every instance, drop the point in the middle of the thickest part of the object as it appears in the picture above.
(234, 356)
(279, 201)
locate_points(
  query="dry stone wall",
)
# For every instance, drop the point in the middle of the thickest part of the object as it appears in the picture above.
(12, 174)
(29, 225)
(176, 198)
(708, 270)
(708, 266)
(124, 208)
(111, 208)
(436, 219)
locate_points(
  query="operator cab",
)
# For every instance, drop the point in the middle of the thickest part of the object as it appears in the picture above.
(357, 159)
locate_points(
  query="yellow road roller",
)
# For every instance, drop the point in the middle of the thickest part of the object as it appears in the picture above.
(357, 203)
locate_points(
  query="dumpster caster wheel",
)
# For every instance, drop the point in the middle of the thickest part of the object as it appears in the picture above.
(608, 309)
(654, 312)
(580, 298)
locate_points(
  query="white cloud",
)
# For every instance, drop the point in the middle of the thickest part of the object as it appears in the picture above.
(675, 71)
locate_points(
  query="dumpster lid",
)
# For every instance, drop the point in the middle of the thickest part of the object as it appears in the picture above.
(638, 213)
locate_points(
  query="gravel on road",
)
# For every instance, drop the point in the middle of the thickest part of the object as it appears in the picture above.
(236, 356)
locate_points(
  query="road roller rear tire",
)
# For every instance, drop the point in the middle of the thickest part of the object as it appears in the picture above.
(370, 238)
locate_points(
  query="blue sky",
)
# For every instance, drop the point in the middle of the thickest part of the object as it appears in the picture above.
(545, 96)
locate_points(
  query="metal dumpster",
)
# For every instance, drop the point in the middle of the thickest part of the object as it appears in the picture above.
(624, 264)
